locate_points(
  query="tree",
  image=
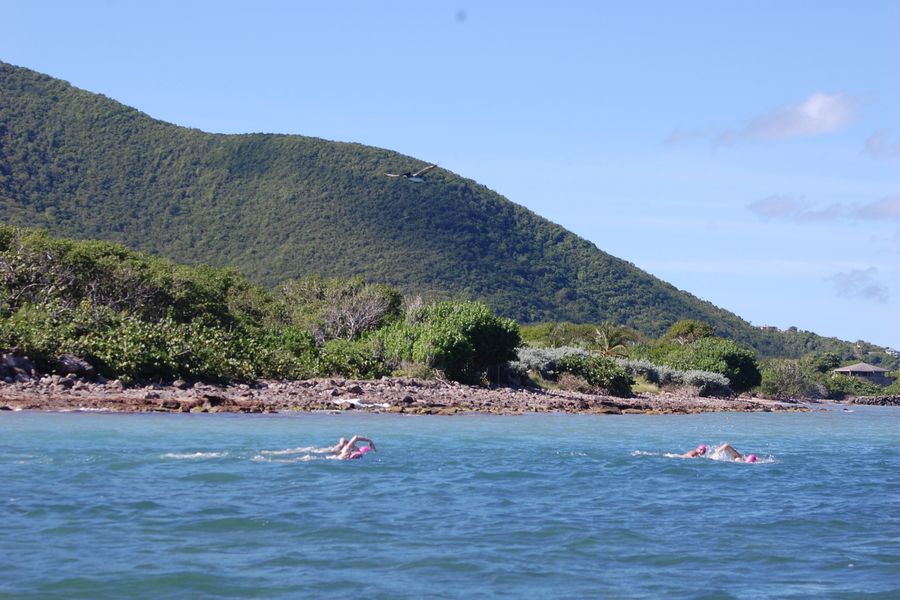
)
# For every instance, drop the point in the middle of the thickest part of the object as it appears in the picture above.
(785, 378)
(337, 309)
(687, 331)
(612, 340)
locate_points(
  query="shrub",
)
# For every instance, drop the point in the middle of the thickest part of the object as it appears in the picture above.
(133, 350)
(687, 331)
(839, 386)
(543, 361)
(288, 353)
(782, 378)
(707, 383)
(894, 388)
(718, 356)
(338, 309)
(357, 359)
(599, 372)
(461, 339)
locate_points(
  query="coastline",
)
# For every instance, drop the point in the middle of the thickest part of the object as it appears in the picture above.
(386, 395)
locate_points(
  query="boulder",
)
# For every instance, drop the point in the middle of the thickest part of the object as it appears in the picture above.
(16, 365)
(68, 364)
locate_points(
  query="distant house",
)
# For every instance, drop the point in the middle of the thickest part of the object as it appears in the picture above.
(867, 372)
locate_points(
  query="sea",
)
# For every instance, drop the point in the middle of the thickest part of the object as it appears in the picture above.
(104, 505)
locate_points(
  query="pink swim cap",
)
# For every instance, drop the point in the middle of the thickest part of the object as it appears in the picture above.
(365, 449)
(751, 458)
(702, 448)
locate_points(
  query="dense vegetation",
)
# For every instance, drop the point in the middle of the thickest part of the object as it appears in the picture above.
(136, 317)
(688, 354)
(812, 377)
(285, 207)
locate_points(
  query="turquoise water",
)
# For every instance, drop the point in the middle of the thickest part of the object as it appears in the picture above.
(545, 506)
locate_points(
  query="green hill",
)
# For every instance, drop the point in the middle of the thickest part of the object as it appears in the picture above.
(278, 207)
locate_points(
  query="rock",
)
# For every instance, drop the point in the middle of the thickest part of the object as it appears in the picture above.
(170, 404)
(181, 384)
(215, 401)
(356, 390)
(14, 363)
(68, 364)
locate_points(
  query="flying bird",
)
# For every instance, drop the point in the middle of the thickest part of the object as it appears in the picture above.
(417, 176)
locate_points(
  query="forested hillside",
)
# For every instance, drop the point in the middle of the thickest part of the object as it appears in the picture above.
(279, 207)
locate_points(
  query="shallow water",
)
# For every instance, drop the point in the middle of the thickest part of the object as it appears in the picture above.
(237, 506)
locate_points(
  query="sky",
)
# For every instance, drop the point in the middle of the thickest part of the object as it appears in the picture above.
(746, 152)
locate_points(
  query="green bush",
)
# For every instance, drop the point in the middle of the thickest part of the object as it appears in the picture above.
(461, 339)
(137, 350)
(356, 359)
(337, 308)
(543, 361)
(599, 372)
(287, 353)
(687, 331)
(840, 386)
(785, 378)
(718, 356)
(894, 388)
(707, 383)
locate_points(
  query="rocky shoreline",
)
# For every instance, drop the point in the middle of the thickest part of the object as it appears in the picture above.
(387, 395)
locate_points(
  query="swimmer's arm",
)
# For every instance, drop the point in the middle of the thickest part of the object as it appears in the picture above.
(359, 438)
(726, 447)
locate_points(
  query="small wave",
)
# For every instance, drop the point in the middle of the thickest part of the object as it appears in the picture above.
(305, 449)
(304, 458)
(642, 453)
(193, 455)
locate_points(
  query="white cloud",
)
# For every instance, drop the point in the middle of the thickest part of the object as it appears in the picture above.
(787, 208)
(819, 114)
(862, 284)
(878, 145)
(885, 208)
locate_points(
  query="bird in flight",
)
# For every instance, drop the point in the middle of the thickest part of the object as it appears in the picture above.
(417, 176)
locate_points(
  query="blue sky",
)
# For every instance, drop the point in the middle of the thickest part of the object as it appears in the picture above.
(748, 153)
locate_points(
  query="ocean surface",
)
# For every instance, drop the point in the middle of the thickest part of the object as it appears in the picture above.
(545, 506)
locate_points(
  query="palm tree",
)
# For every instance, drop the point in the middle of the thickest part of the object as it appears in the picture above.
(611, 339)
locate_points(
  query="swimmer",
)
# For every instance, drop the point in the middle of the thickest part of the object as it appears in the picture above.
(737, 456)
(698, 451)
(348, 450)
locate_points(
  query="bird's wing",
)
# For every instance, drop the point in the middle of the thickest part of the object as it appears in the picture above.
(393, 174)
(421, 172)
